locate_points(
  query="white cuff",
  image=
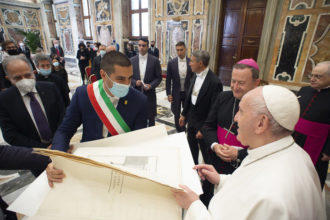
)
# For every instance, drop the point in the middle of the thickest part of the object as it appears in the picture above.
(212, 145)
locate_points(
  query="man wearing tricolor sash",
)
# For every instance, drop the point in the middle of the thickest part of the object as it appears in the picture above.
(105, 108)
(220, 130)
(313, 128)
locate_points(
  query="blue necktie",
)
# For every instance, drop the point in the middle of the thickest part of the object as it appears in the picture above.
(40, 119)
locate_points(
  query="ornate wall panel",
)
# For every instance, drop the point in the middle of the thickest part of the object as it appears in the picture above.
(103, 10)
(77, 9)
(64, 24)
(16, 18)
(159, 38)
(302, 41)
(301, 4)
(104, 34)
(183, 20)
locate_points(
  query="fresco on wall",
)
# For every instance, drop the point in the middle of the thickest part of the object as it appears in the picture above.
(159, 39)
(51, 25)
(12, 17)
(63, 16)
(31, 18)
(291, 45)
(320, 46)
(159, 8)
(301, 4)
(177, 7)
(199, 7)
(197, 35)
(80, 25)
(326, 3)
(104, 34)
(14, 35)
(103, 10)
(175, 32)
(67, 41)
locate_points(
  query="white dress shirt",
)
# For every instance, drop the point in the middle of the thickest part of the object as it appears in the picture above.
(200, 77)
(26, 101)
(275, 181)
(114, 100)
(182, 65)
(143, 65)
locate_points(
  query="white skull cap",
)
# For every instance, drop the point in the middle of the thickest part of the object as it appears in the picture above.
(282, 104)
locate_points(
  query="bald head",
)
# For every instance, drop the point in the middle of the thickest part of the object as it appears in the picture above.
(320, 76)
(110, 48)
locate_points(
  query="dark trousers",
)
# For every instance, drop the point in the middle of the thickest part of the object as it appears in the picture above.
(151, 121)
(322, 170)
(177, 114)
(82, 67)
(196, 144)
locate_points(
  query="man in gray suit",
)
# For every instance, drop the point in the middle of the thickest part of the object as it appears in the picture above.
(178, 81)
(146, 77)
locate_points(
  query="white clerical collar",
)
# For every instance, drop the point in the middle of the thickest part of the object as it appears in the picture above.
(145, 56)
(268, 149)
(203, 73)
(182, 60)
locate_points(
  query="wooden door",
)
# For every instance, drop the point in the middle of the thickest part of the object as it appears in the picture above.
(241, 27)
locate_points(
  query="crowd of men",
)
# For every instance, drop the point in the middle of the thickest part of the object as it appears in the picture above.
(261, 146)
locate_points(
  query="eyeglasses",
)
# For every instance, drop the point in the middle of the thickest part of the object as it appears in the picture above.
(316, 76)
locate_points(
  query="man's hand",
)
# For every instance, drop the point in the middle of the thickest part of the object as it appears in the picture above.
(170, 98)
(199, 135)
(182, 121)
(49, 147)
(54, 175)
(325, 157)
(208, 172)
(71, 147)
(146, 87)
(186, 197)
(225, 152)
(138, 83)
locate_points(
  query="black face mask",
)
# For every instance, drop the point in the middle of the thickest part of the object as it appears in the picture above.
(12, 52)
(152, 45)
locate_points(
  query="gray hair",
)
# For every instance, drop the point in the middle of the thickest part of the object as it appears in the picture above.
(255, 72)
(41, 57)
(327, 63)
(11, 59)
(259, 108)
(202, 55)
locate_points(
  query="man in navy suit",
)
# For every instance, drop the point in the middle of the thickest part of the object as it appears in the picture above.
(30, 111)
(178, 81)
(153, 50)
(146, 77)
(116, 74)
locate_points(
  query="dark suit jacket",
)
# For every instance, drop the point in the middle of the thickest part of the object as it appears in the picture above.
(21, 158)
(197, 114)
(96, 66)
(53, 51)
(62, 87)
(173, 86)
(84, 53)
(16, 124)
(153, 76)
(26, 52)
(132, 108)
(155, 53)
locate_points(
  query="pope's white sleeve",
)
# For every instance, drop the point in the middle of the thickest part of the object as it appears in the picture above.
(223, 179)
(197, 211)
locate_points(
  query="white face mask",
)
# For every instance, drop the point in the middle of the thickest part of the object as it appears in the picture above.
(26, 85)
(21, 44)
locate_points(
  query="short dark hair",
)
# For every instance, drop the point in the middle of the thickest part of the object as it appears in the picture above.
(113, 58)
(81, 44)
(255, 72)
(42, 57)
(180, 43)
(98, 44)
(6, 43)
(145, 40)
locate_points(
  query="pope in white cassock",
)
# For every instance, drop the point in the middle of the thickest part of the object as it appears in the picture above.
(277, 180)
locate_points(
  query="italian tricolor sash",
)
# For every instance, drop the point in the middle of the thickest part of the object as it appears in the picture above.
(105, 109)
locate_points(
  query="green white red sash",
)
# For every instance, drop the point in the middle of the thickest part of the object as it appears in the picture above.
(105, 109)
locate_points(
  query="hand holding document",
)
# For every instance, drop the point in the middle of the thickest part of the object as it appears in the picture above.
(128, 176)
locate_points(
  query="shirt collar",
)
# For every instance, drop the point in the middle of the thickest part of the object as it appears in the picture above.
(145, 56)
(182, 60)
(203, 73)
(268, 149)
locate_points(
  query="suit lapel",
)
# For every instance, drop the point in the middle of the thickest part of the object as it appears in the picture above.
(147, 68)
(192, 85)
(137, 68)
(176, 67)
(204, 87)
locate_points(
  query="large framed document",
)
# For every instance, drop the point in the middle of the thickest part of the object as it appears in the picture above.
(128, 176)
